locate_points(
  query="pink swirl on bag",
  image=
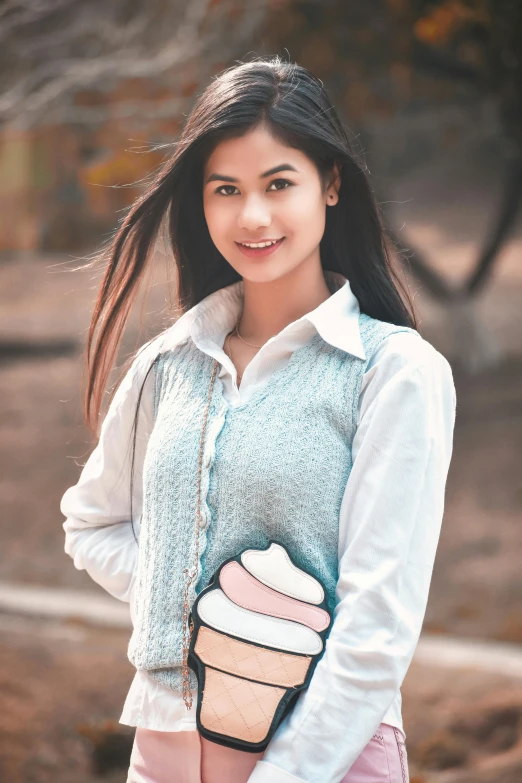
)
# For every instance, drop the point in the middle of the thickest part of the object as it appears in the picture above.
(246, 591)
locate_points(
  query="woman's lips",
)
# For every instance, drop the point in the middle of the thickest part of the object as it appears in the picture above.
(258, 252)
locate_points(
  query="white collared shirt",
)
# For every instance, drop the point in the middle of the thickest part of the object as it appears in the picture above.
(401, 455)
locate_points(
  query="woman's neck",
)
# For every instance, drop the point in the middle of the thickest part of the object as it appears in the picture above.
(269, 307)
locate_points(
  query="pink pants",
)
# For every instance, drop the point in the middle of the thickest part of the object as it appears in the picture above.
(186, 757)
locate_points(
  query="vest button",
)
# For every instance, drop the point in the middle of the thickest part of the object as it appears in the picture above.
(207, 460)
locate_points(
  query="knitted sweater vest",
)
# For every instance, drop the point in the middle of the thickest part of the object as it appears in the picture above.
(273, 468)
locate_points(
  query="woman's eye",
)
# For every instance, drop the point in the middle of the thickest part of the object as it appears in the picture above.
(285, 182)
(218, 190)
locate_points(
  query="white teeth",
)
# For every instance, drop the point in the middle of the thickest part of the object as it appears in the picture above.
(260, 244)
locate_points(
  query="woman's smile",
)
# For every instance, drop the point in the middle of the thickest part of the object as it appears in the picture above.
(261, 248)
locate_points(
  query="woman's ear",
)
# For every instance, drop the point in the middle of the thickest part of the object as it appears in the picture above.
(332, 191)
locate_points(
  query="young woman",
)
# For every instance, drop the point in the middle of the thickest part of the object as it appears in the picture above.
(329, 428)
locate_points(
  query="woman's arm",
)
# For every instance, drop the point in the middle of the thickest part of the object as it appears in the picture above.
(98, 531)
(390, 523)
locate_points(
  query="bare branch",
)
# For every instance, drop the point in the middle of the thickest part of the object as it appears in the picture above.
(72, 46)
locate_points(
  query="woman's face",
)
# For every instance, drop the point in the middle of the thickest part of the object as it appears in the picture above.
(256, 189)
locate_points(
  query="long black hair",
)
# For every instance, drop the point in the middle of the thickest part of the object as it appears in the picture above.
(292, 103)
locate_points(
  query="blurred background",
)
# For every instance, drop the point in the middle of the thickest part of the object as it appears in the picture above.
(91, 97)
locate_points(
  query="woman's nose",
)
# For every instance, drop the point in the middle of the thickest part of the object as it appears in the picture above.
(254, 214)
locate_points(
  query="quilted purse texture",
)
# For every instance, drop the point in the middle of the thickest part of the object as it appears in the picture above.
(258, 630)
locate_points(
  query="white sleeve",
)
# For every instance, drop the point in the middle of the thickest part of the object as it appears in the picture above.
(390, 522)
(98, 531)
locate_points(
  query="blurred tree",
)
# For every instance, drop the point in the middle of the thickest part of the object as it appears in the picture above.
(382, 58)
(479, 41)
(51, 50)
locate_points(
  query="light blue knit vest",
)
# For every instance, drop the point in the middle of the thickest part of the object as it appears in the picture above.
(273, 468)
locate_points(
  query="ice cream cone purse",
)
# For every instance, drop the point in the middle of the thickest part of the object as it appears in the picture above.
(253, 637)
(259, 629)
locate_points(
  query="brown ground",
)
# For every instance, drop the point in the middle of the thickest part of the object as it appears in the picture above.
(62, 688)
(50, 685)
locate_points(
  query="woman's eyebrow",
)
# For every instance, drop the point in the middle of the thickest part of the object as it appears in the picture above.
(275, 170)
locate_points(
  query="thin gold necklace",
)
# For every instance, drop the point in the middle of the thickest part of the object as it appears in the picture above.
(228, 351)
(228, 348)
(236, 331)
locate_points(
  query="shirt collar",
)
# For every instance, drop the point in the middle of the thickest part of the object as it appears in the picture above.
(336, 319)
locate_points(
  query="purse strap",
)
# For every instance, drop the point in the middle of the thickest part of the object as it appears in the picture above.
(191, 574)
